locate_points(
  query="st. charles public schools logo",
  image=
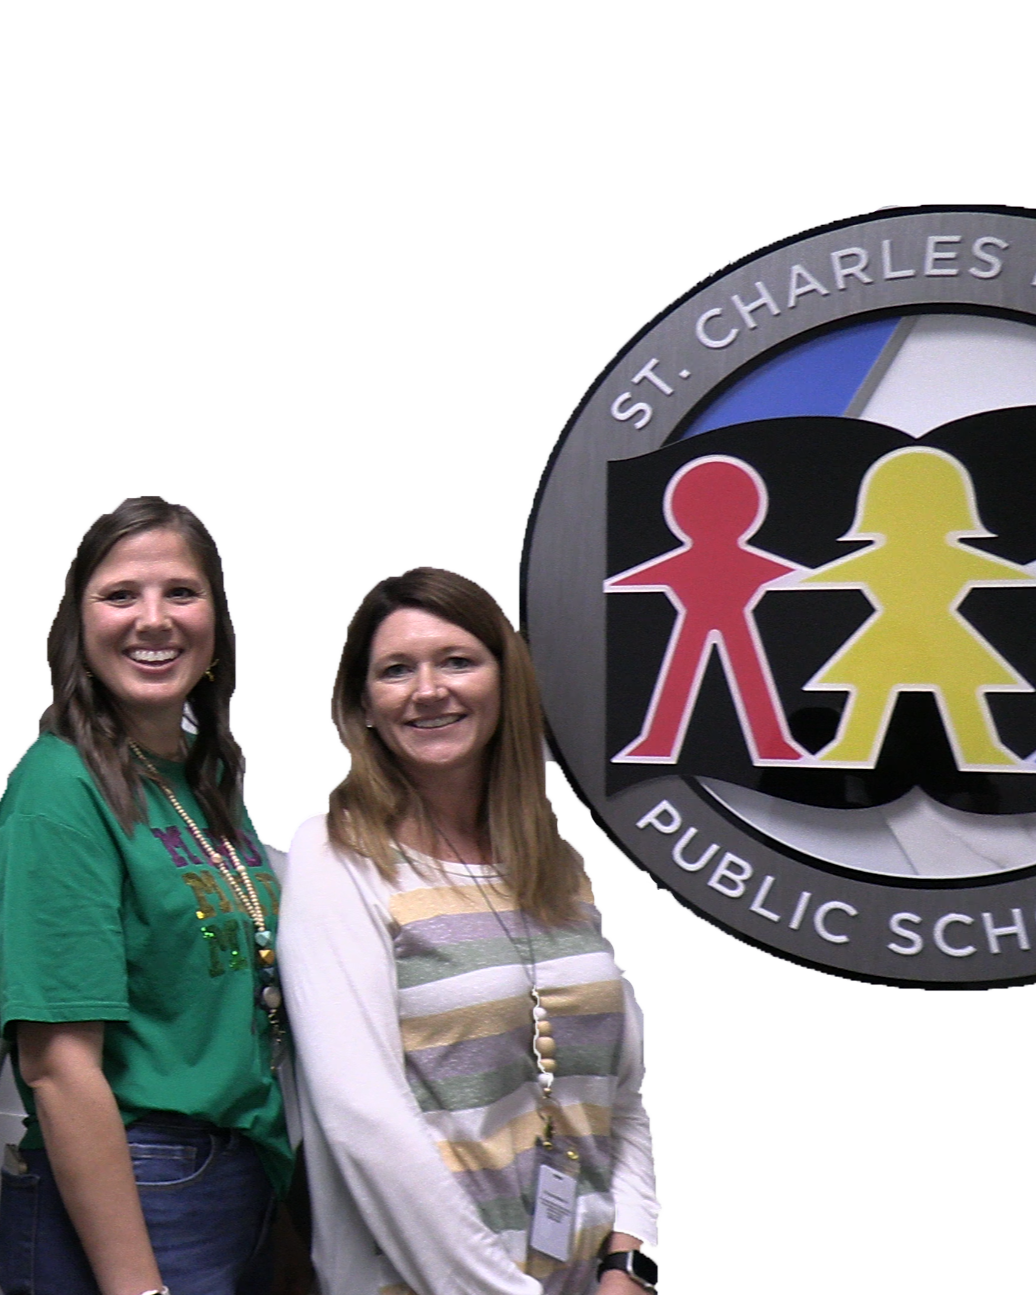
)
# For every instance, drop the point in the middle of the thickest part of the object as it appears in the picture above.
(780, 588)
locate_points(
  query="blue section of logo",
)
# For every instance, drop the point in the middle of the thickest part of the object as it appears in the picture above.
(819, 377)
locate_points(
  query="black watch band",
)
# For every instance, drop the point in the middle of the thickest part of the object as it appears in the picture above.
(643, 1270)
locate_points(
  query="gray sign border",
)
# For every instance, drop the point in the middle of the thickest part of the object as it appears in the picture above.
(970, 259)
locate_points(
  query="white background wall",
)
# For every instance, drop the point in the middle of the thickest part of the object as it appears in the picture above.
(335, 276)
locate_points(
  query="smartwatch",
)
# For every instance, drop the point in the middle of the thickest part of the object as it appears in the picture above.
(643, 1270)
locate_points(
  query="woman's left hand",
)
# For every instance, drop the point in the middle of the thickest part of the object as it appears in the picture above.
(616, 1283)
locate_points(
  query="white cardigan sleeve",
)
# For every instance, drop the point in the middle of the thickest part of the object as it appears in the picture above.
(633, 1174)
(377, 1179)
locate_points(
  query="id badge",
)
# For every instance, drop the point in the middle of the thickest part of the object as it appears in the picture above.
(554, 1209)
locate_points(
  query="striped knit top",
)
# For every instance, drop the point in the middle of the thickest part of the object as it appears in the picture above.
(456, 960)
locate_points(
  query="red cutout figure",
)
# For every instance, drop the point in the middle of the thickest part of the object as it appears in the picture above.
(714, 580)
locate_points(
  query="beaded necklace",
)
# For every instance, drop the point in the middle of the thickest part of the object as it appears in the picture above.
(544, 1047)
(238, 878)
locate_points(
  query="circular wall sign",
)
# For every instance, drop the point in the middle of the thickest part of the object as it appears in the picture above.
(780, 589)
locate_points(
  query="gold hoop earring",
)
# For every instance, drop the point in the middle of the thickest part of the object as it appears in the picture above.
(209, 669)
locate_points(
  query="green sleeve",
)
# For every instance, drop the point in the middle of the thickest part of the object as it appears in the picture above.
(62, 952)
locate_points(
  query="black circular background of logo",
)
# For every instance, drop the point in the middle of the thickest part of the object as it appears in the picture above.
(935, 921)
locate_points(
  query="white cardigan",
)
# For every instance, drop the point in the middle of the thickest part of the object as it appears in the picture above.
(385, 1206)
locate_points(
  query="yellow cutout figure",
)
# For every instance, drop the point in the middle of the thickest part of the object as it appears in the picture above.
(917, 505)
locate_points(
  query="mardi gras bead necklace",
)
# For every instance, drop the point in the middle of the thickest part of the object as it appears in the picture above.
(238, 878)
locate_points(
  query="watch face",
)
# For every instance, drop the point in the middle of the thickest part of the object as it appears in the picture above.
(635, 1264)
(780, 590)
(644, 1269)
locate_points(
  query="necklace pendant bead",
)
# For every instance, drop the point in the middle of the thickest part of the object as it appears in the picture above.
(267, 957)
(270, 997)
(263, 939)
(539, 1013)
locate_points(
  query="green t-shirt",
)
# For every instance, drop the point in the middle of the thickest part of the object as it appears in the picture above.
(143, 933)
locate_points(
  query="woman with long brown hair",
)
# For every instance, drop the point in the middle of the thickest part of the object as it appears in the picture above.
(137, 923)
(470, 1058)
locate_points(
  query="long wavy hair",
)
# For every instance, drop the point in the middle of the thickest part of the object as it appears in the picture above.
(367, 809)
(85, 713)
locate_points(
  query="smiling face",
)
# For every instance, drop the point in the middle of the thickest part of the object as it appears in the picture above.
(433, 694)
(148, 631)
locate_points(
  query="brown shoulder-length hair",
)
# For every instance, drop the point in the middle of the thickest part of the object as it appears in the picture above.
(83, 710)
(366, 810)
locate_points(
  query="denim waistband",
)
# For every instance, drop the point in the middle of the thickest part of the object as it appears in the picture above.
(174, 1120)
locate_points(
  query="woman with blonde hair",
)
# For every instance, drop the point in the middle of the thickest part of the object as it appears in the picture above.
(470, 1057)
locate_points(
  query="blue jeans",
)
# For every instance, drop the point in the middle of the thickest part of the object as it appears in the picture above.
(207, 1203)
